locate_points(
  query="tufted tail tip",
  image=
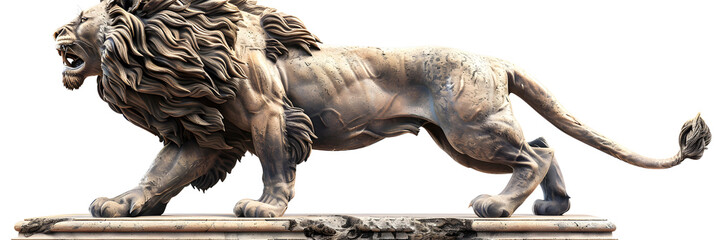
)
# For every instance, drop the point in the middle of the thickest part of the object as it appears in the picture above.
(694, 138)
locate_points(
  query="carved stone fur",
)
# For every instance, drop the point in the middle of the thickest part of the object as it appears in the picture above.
(215, 79)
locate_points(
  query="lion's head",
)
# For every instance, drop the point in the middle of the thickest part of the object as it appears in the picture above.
(166, 65)
(78, 43)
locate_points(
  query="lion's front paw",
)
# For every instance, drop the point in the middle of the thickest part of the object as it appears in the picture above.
(252, 208)
(131, 203)
(488, 206)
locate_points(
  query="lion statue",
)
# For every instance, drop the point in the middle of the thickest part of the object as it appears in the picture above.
(214, 79)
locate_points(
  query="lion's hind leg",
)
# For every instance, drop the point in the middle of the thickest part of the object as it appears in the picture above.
(529, 167)
(497, 139)
(556, 200)
(440, 138)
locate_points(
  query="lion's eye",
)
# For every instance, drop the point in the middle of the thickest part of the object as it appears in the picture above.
(84, 19)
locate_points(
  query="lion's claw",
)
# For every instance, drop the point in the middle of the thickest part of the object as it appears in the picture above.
(256, 209)
(136, 208)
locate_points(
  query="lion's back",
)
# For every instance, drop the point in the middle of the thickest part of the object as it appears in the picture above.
(364, 83)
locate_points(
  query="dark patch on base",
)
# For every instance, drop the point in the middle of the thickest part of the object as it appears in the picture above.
(40, 225)
(321, 229)
(444, 228)
(358, 228)
(293, 224)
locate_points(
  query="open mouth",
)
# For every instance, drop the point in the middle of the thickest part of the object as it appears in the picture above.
(72, 76)
(69, 58)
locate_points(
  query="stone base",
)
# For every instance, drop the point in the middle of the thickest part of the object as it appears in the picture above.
(316, 227)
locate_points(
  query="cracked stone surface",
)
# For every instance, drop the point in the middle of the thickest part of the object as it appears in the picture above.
(317, 227)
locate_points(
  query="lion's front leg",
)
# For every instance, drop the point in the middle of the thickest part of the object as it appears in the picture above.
(282, 139)
(174, 168)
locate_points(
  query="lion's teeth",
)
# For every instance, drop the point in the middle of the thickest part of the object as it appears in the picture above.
(65, 60)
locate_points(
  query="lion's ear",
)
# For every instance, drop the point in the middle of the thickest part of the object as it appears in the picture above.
(128, 5)
(142, 7)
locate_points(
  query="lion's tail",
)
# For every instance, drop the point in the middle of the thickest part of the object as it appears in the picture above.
(693, 139)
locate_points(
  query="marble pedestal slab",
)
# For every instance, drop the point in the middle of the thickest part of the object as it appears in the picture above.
(316, 227)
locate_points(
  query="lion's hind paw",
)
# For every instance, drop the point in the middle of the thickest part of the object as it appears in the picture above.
(256, 209)
(105, 207)
(488, 206)
(551, 207)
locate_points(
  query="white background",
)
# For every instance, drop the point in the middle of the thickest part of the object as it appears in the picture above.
(634, 70)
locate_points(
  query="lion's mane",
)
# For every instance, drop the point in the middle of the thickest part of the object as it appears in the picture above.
(169, 64)
(282, 30)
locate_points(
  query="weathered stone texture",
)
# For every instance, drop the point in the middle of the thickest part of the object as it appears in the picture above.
(316, 227)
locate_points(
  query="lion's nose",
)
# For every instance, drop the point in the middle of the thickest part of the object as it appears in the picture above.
(57, 33)
(63, 36)
(60, 32)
